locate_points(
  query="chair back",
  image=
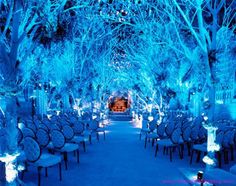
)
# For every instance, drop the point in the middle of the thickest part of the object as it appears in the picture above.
(57, 138)
(152, 125)
(93, 125)
(228, 138)
(235, 138)
(186, 134)
(219, 137)
(175, 136)
(178, 123)
(170, 128)
(42, 137)
(161, 129)
(78, 128)
(31, 149)
(144, 124)
(19, 135)
(194, 133)
(73, 120)
(43, 126)
(54, 127)
(28, 132)
(32, 126)
(202, 134)
(231, 137)
(186, 124)
(37, 122)
(68, 132)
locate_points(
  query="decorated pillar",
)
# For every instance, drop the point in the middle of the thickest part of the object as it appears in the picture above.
(212, 147)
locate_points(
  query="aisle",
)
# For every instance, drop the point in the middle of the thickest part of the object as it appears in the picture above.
(120, 160)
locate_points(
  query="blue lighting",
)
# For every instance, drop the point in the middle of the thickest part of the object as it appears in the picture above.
(165, 61)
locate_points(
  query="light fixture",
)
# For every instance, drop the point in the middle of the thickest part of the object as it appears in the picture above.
(200, 175)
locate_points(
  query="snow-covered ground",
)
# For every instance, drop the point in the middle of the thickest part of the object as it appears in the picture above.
(120, 160)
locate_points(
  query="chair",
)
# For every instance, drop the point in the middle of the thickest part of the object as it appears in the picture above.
(42, 137)
(94, 128)
(171, 143)
(194, 134)
(101, 128)
(79, 134)
(233, 169)
(58, 144)
(144, 129)
(40, 160)
(186, 138)
(202, 134)
(228, 144)
(170, 126)
(154, 135)
(70, 136)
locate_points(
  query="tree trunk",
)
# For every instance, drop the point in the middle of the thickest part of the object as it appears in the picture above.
(41, 102)
(11, 124)
(209, 63)
(66, 102)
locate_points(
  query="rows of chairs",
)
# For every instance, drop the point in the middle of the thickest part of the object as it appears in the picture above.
(47, 142)
(178, 132)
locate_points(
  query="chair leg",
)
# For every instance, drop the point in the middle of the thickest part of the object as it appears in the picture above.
(90, 138)
(198, 156)
(152, 142)
(189, 149)
(46, 172)
(60, 176)
(140, 135)
(65, 159)
(97, 136)
(22, 174)
(164, 150)
(174, 149)
(191, 157)
(180, 152)
(77, 155)
(145, 144)
(226, 157)
(156, 150)
(232, 153)
(26, 167)
(39, 175)
(219, 158)
(171, 151)
(182, 149)
(104, 135)
(84, 146)
(25, 170)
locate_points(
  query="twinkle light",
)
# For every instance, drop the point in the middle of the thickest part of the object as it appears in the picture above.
(208, 160)
(205, 118)
(150, 118)
(49, 116)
